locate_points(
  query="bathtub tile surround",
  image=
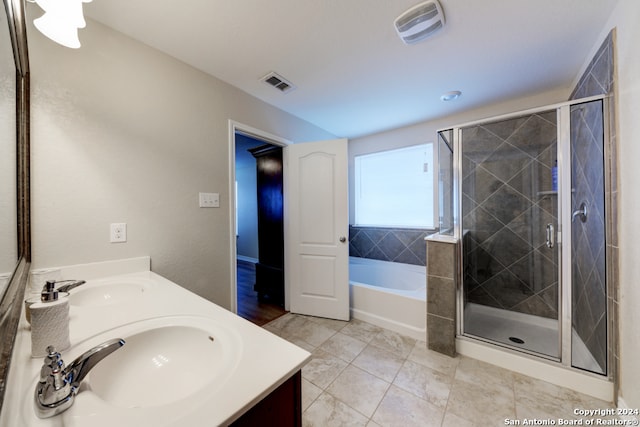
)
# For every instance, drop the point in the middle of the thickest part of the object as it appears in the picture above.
(441, 293)
(410, 385)
(388, 244)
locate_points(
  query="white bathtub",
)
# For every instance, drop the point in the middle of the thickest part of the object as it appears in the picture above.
(390, 295)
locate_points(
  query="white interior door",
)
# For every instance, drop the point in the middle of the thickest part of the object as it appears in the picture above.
(317, 226)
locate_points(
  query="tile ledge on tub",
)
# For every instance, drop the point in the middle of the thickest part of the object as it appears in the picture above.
(437, 237)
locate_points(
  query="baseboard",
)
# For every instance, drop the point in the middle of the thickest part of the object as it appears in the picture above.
(383, 322)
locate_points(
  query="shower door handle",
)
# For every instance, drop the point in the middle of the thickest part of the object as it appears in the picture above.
(551, 236)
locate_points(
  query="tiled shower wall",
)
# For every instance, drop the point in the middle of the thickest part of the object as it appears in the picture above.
(388, 244)
(507, 202)
(588, 295)
(589, 299)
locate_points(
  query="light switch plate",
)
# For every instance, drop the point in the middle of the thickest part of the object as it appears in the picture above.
(209, 200)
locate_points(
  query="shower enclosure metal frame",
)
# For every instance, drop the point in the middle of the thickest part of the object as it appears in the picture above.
(563, 234)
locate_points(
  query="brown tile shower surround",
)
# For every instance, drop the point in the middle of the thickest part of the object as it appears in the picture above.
(441, 296)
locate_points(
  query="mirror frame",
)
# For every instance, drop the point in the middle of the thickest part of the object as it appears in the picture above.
(11, 301)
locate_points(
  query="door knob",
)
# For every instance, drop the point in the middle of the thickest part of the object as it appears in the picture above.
(343, 239)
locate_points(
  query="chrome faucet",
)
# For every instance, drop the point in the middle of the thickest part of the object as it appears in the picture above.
(580, 213)
(70, 284)
(58, 384)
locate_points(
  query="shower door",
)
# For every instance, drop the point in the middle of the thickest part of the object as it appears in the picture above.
(589, 320)
(509, 210)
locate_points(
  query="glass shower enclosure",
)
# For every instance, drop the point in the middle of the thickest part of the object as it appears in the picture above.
(530, 218)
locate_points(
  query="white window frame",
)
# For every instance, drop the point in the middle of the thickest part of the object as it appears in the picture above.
(389, 224)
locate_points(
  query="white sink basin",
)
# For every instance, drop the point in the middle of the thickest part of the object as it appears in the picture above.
(107, 293)
(165, 360)
(167, 367)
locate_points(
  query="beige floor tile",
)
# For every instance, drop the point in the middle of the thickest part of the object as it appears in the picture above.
(427, 384)
(347, 381)
(452, 420)
(361, 330)
(394, 342)
(334, 324)
(432, 359)
(294, 327)
(526, 412)
(485, 406)
(311, 332)
(283, 321)
(381, 363)
(358, 389)
(540, 396)
(478, 372)
(589, 402)
(345, 347)
(328, 411)
(323, 368)
(310, 393)
(401, 408)
(294, 339)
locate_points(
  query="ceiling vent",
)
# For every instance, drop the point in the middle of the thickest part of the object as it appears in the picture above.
(419, 22)
(279, 82)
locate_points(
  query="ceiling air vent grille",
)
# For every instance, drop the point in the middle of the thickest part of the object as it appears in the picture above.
(278, 82)
(419, 22)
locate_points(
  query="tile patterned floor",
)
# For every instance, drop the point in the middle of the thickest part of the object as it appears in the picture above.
(363, 375)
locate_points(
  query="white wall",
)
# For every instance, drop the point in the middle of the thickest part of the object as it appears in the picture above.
(124, 133)
(625, 19)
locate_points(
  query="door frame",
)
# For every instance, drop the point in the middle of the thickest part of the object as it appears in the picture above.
(237, 127)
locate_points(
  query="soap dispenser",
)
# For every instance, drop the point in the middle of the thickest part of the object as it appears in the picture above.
(49, 321)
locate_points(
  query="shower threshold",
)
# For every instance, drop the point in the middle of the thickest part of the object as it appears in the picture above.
(538, 334)
(523, 331)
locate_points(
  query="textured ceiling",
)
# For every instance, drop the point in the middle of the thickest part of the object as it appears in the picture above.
(354, 76)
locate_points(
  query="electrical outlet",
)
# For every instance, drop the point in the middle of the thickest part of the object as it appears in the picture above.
(118, 232)
(209, 200)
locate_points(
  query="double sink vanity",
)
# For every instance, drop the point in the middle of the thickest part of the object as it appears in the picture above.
(185, 361)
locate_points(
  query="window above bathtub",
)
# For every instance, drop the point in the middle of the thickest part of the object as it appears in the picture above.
(395, 188)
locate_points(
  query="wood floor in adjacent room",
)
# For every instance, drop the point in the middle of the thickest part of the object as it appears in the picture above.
(249, 307)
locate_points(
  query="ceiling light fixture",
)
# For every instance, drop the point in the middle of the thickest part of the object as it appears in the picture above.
(451, 96)
(61, 20)
(420, 22)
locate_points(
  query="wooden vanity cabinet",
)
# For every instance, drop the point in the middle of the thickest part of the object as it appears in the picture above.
(281, 408)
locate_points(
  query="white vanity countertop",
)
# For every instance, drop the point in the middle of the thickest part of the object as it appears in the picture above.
(264, 361)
